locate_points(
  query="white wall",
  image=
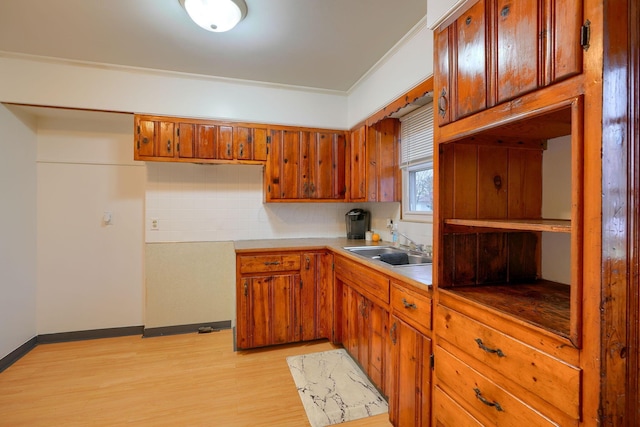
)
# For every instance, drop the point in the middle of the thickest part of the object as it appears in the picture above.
(556, 204)
(32, 80)
(195, 203)
(403, 67)
(90, 274)
(17, 230)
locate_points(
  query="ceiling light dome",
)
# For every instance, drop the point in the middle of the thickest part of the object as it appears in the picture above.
(215, 15)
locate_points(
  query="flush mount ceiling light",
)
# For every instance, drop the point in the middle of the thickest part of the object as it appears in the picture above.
(215, 15)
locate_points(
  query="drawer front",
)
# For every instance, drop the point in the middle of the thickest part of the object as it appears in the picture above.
(478, 394)
(447, 412)
(411, 306)
(367, 281)
(553, 380)
(268, 263)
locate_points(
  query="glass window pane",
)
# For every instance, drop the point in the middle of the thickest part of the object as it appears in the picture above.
(421, 189)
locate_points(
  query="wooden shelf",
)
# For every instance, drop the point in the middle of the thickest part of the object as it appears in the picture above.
(551, 225)
(543, 303)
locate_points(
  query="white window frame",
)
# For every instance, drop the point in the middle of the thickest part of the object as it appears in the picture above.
(416, 153)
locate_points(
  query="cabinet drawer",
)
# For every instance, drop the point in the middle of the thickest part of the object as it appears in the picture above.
(368, 281)
(553, 380)
(447, 412)
(478, 394)
(267, 263)
(413, 307)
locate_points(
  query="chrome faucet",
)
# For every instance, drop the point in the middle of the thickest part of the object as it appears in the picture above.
(418, 246)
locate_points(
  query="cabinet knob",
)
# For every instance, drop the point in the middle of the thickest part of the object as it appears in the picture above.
(168, 146)
(241, 150)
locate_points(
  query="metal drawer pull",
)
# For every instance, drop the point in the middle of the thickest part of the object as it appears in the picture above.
(272, 263)
(409, 305)
(489, 350)
(482, 399)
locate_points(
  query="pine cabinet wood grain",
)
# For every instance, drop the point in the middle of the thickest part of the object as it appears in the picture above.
(177, 139)
(283, 298)
(498, 50)
(305, 165)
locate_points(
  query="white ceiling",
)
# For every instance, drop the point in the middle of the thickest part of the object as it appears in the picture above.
(326, 44)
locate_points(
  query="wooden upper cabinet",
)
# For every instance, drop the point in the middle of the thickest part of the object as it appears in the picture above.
(145, 131)
(206, 136)
(519, 59)
(305, 165)
(154, 138)
(499, 50)
(471, 59)
(442, 74)
(357, 176)
(563, 40)
(249, 143)
(185, 140)
(382, 161)
(326, 176)
(225, 142)
(176, 139)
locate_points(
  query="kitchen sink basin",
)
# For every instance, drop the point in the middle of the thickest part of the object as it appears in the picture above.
(396, 257)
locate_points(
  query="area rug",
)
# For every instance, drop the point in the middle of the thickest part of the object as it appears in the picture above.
(333, 389)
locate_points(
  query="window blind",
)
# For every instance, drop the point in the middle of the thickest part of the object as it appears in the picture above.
(416, 136)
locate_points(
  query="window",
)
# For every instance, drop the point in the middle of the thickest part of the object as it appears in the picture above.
(416, 163)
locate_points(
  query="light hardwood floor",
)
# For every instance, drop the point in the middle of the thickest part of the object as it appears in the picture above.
(179, 380)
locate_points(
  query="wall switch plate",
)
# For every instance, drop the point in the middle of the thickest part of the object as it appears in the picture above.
(155, 224)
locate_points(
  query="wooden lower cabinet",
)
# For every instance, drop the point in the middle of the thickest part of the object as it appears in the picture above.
(364, 331)
(410, 402)
(267, 310)
(283, 298)
(500, 373)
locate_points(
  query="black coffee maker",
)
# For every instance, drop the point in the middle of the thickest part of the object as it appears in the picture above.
(357, 221)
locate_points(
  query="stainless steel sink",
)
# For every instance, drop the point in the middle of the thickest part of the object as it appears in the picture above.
(379, 253)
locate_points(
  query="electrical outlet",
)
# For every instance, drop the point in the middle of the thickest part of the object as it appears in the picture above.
(389, 223)
(155, 224)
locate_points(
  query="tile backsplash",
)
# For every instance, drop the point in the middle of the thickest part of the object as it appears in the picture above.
(193, 203)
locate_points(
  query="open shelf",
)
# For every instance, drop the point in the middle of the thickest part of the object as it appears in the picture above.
(550, 225)
(542, 303)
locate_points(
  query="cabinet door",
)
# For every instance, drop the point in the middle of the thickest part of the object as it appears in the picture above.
(243, 143)
(308, 297)
(206, 141)
(267, 310)
(185, 140)
(563, 39)
(323, 292)
(351, 314)
(357, 184)
(166, 132)
(441, 75)
(283, 165)
(225, 142)
(382, 161)
(145, 132)
(410, 405)
(326, 157)
(259, 142)
(519, 53)
(378, 319)
(471, 60)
